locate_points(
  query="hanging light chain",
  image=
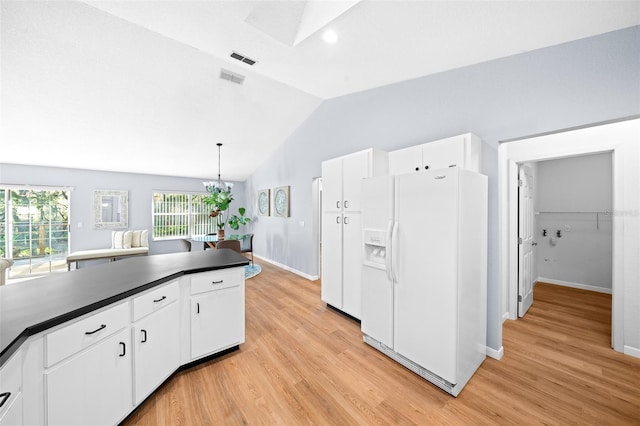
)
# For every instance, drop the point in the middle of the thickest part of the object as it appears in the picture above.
(218, 186)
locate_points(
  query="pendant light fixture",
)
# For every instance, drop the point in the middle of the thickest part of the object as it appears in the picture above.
(218, 186)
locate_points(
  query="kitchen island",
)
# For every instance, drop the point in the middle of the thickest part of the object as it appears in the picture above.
(121, 327)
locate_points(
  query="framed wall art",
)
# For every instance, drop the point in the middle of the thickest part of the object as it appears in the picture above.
(281, 201)
(263, 202)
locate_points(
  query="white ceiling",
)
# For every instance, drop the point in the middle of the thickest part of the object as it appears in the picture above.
(133, 85)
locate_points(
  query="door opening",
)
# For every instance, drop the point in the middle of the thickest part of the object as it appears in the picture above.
(621, 139)
(565, 228)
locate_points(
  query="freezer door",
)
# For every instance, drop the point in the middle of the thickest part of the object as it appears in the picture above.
(377, 305)
(377, 202)
(377, 290)
(426, 292)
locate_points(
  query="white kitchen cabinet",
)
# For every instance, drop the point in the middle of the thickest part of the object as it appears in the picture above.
(342, 177)
(463, 151)
(352, 247)
(93, 387)
(331, 284)
(11, 392)
(216, 311)
(341, 226)
(156, 339)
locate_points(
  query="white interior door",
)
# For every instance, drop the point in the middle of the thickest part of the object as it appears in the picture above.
(526, 243)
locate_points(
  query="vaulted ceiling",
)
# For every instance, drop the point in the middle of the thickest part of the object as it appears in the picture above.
(135, 86)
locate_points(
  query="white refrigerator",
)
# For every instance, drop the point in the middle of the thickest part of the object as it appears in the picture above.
(424, 272)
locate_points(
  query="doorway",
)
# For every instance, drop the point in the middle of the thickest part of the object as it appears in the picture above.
(620, 138)
(565, 225)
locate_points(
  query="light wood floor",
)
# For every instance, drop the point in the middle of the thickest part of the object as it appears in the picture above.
(305, 364)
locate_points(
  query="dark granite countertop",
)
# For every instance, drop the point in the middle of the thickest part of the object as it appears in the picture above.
(29, 307)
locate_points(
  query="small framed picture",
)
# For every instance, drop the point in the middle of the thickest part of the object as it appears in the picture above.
(263, 202)
(281, 201)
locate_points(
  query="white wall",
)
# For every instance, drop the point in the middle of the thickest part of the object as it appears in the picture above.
(582, 256)
(572, 84)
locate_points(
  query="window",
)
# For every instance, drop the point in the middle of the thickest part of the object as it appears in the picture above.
(180, 215)
(34, 225)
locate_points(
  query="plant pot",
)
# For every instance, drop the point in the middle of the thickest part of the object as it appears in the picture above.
(220, 234)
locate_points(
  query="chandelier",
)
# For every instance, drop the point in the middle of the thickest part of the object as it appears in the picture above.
(218, 186)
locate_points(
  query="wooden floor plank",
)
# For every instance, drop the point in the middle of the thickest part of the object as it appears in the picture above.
(303, 363)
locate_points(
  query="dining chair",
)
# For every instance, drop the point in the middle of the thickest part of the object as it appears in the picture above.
(230, 244)
(247, 245)
(206, 245)
(186, 245)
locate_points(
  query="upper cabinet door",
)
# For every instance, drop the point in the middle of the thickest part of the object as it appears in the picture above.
(407, 160)
(444, 153)
(355, 167)
(332, 185)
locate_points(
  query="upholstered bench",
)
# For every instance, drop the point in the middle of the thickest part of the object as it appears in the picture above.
(123, 244)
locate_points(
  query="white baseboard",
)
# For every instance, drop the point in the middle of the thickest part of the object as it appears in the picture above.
(288, 268)
(574, 285)
(495, 354)
(505, 317)
(635, 352)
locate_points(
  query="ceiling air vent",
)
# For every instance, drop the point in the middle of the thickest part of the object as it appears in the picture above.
(231, 76)
(242, 58)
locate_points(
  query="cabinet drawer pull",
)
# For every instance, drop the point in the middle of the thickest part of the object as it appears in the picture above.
(103, 326)
(197, 308)
(4, 396)
(160, 300)
(144, 338)
(346, 204)
(346, 220)
(124, 349)
(217, 282)
(337, 204)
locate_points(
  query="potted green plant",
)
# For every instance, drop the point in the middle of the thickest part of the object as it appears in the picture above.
(219, 200)
(235, 221)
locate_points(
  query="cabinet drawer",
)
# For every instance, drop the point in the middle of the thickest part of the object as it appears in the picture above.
(154, 300)
(10, 383)
(84, 333)
(216, 280)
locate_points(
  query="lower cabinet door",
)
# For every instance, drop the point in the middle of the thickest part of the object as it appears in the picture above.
(94, 387)
(217, 321)
(157, 350)
(331, 283)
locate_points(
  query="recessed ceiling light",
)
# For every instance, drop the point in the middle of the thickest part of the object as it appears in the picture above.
(330, 36)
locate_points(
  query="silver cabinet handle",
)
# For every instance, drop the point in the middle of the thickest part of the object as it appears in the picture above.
(337, 204)
(346, 204)
(346, 220)
(338, 219)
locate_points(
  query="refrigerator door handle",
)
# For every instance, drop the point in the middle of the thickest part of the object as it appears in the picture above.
(394, 247)
(387, 258)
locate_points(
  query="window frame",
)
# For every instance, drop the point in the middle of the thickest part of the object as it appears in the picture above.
(190, 215)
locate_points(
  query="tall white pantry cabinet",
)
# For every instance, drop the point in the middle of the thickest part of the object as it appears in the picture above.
(342, 226)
